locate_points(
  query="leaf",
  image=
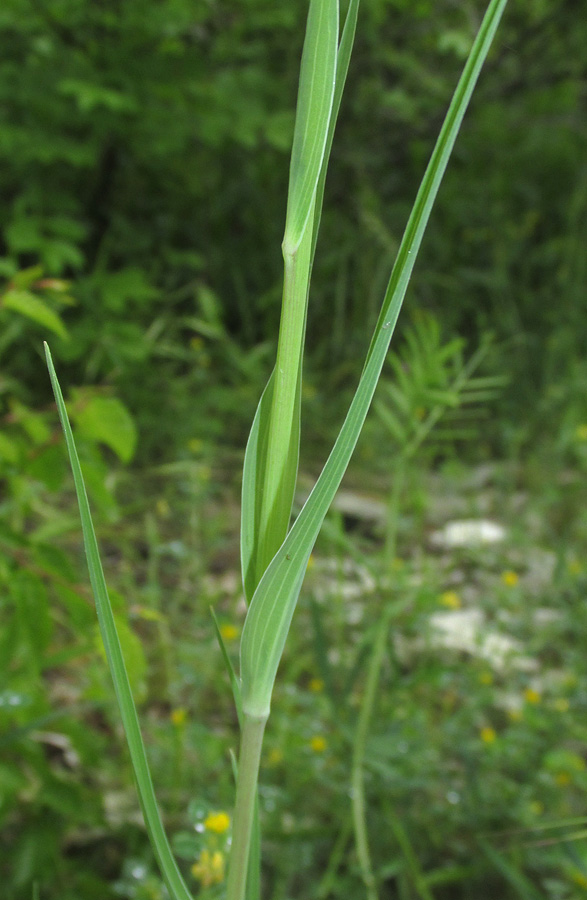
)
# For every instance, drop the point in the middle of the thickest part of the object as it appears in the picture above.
(314, 106)
(272, 607)
(252, 563)
(106, 419)
(342, 66)
(28, 305)
(117, 665)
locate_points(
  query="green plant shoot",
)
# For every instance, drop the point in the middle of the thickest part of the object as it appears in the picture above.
(274, 556)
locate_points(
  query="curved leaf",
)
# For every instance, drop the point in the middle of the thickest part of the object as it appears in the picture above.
(275, 598)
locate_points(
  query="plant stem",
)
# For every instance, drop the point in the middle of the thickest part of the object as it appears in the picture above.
(246, 792)
(357, 774)
(283, 436)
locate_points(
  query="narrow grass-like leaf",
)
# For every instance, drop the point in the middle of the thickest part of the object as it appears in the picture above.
(126, 704)
(254, 470)
(273, 604)
(314, 106)
(234, 682)
(523, 887)
(342, 66)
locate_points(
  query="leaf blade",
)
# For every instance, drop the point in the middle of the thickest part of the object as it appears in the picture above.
(116, 663)
(273, 604)
(314, 108)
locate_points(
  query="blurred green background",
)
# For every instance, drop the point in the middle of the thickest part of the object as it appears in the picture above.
(143, 175)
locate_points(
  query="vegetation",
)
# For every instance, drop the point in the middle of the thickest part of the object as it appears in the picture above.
(434, 675)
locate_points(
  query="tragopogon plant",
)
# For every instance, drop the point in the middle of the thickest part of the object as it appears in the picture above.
(274, 556)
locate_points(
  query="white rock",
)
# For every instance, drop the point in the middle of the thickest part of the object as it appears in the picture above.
(468, 533)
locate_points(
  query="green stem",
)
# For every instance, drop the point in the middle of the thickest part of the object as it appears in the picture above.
(283, 434)
(246, 792)
(393, 508)
(357, 775)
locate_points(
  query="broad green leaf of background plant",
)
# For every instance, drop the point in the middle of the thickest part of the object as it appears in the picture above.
(106, 419)
(32, 307)
(117, 665)
(273, 604)
(314, 107)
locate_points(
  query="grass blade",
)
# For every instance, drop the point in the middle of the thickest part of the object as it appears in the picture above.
(126, 704)
(314, 107)
(273, 604)
(234, 682)
(342, 66)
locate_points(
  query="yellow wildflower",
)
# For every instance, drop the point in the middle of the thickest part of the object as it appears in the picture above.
(450, 599)
(488, 735)
(162, 507)
(561, 704)
(536, 808)
(275, 756)
(581, 432)
(316, 685)
(229, 632)
(209, 869)
(579, 878)
(218, 822)
(562, 779)
(195, 445)
(574, 567)
(318, 743)
(509, 578)
(515, 714)
(532, 696)
(486, 678)
(178, 716)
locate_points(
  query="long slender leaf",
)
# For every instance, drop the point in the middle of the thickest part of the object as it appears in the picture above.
(256, 451)
(314, 106)
(272, 607)
(342, 66)
(126, 704)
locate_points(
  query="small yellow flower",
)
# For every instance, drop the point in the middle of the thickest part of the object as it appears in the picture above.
(562, 779)
(316, 685)
(209, 869)
(450, 599)
(229, 632)
(579, 878)
(574, 567)
(486, 677)
(509, 578)
(581, 432)
(318, 743)
(488, 735)
(178, 716)
(561, 704)
(275, 756)
(195, 445)
(162, 507)
(532, 696)
(536, 808)
(515, 714)
(218, 822)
